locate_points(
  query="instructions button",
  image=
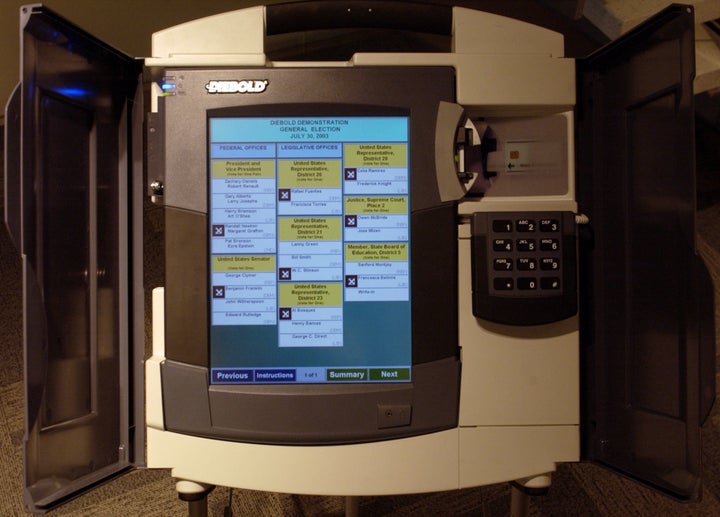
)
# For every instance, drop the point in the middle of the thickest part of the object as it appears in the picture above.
(390, 374)
(346, 374)
(275, 376)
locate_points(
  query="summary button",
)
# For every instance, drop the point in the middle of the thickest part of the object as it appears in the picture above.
(347, 374)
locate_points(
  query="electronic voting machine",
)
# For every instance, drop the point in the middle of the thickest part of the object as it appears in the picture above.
(455, 263)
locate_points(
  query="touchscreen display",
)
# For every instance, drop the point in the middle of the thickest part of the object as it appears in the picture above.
(309, 249)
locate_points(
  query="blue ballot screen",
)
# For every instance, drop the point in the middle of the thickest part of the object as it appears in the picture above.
(309, 249)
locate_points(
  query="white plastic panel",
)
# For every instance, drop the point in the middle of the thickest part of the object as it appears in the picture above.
(515, 375)
(233, 38)
(421, 464)
(491, 455)
(476, 31)
(489, 84)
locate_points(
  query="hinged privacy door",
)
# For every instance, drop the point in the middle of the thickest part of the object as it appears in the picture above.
(645, 305)
(76, 175)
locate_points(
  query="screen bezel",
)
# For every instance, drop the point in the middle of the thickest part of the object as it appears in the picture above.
(299, 414)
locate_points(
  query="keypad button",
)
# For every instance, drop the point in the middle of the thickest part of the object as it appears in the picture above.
(525, 225)
(502, 264)
(503, 284)
(526, 244)
(526, 264)
(527, 284)
(549, 263)
(549, 244)
(502, 225)
(549, 225)
(550, 283)
(502, 245)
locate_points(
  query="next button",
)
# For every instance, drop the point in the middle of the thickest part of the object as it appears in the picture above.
(389, 374)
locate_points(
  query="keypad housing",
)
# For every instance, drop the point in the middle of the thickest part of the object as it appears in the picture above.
(524, 266)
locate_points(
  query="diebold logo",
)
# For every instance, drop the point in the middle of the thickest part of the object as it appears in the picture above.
(253, 86)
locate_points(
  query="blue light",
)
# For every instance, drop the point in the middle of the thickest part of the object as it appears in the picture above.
(72, 92)
(167, 86)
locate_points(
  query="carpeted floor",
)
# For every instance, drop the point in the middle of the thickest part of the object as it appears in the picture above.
(578, 489)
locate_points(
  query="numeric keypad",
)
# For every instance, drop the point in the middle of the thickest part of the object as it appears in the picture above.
(526, 253)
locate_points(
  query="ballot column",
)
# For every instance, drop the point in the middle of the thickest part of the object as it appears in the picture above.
(243, 244)
(310, 253)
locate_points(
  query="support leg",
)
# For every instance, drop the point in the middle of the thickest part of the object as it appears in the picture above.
(519, 502)
(352, 506)
(523, 489)
(198, 508)
(196, 496)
